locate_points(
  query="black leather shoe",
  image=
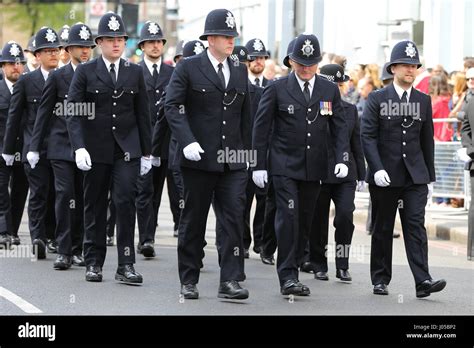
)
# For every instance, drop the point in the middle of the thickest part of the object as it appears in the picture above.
(5, 239)
(321, 275)
(62, 262)
(127, 274)
(267, 260)
(380, 289)
(39, 249)
(189, 291)
(307, 267)
(246, 254)
(16, 241)
(146, 249)
(294, 287)
(52, 246)
(78, 260)
(94, 273)
(232, 290)
(110, 241)
(344, 275)
(257, 249)
(424, 289)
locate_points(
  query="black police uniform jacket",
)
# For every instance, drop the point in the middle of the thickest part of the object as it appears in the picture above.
(122, 113)
(199, 109)
(403, 153)
(5, 97)
(51, 118)
(467, 138)
(24, 105)
(298, 149)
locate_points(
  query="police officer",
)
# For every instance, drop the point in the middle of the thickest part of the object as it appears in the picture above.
(12, 178)
(64, 56)
(51, 118)
(208, 110)
(257, 54)
(300, 106)
(178, 55)
(466, 153)
(112, 146)
(31, 61)
(24, 103)
(150, 186)
(340, 191)
(397, 138)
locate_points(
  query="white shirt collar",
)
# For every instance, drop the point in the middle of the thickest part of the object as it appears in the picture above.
(252, 78)
(149, 65)
(9, 84)
(44, 73)
(74, 67)
(107, 64)
(400, 90)
(225, 66)
(310, 85)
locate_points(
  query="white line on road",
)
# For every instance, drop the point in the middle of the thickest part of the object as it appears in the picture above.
(25, 306)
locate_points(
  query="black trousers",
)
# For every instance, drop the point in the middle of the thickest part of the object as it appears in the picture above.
(111, 215)
(150, 190)
(97, 181)
(257, 229)
(470, 235)
(41, 216)
(342, 194)
(69, 207)
(269, 241)
(295, 203)
(228, 191)
(13, 192)
(410, 201)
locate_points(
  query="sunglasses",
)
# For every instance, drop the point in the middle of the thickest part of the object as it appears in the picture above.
(469, 78)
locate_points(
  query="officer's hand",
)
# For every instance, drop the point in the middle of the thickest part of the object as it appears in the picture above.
(360, 185)
(145, 165)
(155, 161)
(341, 170)
(260, 178)
(33, 158)
(83, 159)
(381, 178)
(463, 156)
(192, 152)
(9, 159)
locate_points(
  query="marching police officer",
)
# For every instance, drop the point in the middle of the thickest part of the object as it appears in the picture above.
(208, 110)
(397, 139)
(340, 191)
(112, 146)
(150, 186)
(257, 54)
(300, 106)
(51, 118)
(12, 178)
(24, 103)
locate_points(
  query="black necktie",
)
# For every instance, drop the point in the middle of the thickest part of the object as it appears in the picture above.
(155, 72)
(112, 73)
(405, 97)
(257, 82)
(306, 93)
(221, 74)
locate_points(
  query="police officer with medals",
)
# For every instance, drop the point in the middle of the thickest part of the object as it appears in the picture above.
(51, 119)
(397, 139)
(113, 146)
(208, 110)
(257, 55)
(24, 104)
(13, 182)
(150, 186)
(301, 107)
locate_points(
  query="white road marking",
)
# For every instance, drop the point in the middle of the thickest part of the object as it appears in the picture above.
(25, 306)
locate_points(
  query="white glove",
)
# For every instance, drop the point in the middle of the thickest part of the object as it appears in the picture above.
(430, 191)
(192, 152)
(83, 159)
(145, 165)
(155, 161)
(463, 156)
(341, 170)
(360, 185)
(33, 158)
(9, 159)
(381, 178)
(260, 177)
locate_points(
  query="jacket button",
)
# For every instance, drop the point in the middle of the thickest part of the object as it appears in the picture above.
(404, 143)
(203, 90)
(115, 104)
(223, 122)
(404, 132)
(96, 91)
(388, 117)
(309, 134)
(223, 137)
(113, 128)
(65, 96)
(131, 92)
(115, 92)
(113, 116)
(157, 91)
(404, 155)
(34, 100)
(225, 108)
(225, 94)
(308, 147)
(309, 109)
